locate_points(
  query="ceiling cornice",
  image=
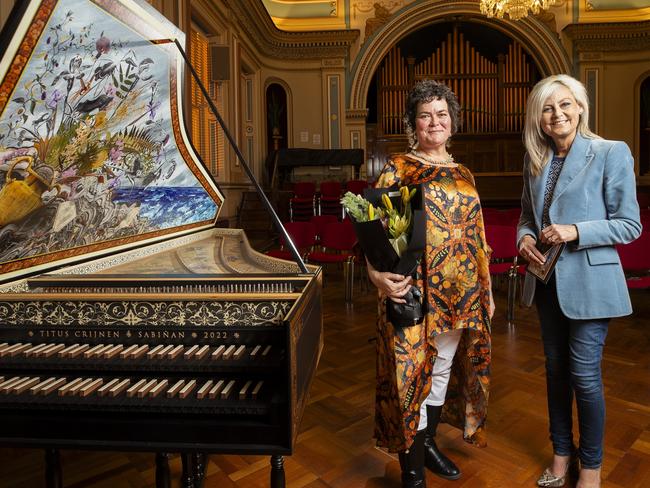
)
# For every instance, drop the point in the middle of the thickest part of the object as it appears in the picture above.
(609, 36)
(255, 22)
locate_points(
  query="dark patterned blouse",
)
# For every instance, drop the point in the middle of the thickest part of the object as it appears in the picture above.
(454, 278)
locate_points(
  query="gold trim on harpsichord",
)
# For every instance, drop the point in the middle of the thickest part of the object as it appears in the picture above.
(83, 184)
(297, 317)
(156, 314)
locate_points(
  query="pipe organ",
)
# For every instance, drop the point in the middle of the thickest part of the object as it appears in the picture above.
(492, 89)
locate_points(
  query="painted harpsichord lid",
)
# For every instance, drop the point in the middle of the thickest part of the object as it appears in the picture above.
(94, 156)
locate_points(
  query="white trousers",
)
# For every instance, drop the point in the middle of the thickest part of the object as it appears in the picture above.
(446, 344)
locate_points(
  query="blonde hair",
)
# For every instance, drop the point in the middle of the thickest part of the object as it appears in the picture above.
(537, 143)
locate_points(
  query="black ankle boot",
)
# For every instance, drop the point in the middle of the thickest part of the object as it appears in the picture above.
(412, 464)
(434, 460)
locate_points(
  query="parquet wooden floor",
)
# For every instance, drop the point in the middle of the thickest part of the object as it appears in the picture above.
(335, 447)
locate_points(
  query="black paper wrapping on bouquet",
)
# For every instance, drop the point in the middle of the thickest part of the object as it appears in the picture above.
(374, 241)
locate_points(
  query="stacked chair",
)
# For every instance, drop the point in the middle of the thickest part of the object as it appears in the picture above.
(329, 201)
(635, 259)
(356, 186)
(303, 235)
(503, 264)
(302, 206)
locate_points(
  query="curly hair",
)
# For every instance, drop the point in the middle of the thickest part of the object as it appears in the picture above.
(423, 92)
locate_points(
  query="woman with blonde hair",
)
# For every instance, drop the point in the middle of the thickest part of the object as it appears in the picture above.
(579, 192)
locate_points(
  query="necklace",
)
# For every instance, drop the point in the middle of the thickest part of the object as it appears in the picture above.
(447, 162)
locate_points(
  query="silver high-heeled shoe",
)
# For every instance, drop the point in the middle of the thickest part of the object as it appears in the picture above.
(549, 480)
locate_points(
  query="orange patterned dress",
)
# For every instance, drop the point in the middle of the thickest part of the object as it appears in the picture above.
(455, 281)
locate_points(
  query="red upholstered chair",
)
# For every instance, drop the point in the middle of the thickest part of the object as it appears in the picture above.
(329, 201)
(502, 240)
(643, 199)
(303, 235)
(302, 206)
(497, 216)
(356, 186)
(320, 221)
(635, 258)
(337, 246)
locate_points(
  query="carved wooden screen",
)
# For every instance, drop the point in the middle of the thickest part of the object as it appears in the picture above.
(492, 94)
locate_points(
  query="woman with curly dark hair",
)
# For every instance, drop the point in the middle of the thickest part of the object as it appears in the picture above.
(439, 369)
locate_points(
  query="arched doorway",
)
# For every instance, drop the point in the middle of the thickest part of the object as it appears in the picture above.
(490, 72)
(543, 47)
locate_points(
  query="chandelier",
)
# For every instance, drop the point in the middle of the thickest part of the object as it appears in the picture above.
(516, 9)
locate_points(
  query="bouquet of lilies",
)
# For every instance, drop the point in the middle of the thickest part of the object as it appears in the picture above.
(389, 224)
(396, 219)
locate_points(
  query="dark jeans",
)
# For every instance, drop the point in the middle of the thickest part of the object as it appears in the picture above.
(573, 350)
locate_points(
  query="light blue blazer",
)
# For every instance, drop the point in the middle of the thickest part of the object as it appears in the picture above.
(596, 191)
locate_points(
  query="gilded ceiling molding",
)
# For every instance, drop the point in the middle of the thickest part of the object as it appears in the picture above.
(544, 44)
(272, 42)
(612, 36)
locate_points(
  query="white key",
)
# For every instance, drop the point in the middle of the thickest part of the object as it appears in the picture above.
(154, 351)
(34, 350)
(46, 390)
(202, 352)
(113, 351)
(255, 350)
(175, 389)
(203, 391)
(239, 352)
(64, 352)
(256, 390)
(142, 392)
(229, 352)
(159, 388)
(66, 388)
(119, 388)
(35, 390)
(140, 352)
(163, 352)
(89, 388)
(93, 350)
(7, 385)
(244, 390)
(51, 351)
(267, 350)
(187, 389)
(226, 391)
(190, 352)
(134, 389)
(175, 352)
(216, 389)
(129, 351)
(24, 385)
(77, 351)
(105, 388)
(218, 352)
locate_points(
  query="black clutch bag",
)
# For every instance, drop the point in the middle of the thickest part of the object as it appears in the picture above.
(374, 242)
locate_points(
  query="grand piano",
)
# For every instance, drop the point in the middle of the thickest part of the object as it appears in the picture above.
(128, 320)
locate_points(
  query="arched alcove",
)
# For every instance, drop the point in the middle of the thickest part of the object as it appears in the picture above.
(544, 45)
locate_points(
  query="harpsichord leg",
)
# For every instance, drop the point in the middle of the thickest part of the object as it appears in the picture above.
(187, 478)
(53, 475)
(199, 463)
(277, 472)
(163, 479)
